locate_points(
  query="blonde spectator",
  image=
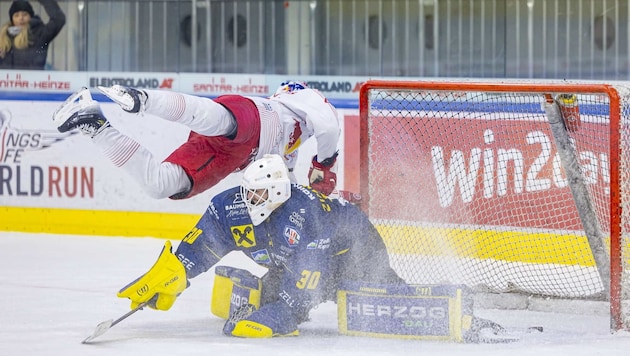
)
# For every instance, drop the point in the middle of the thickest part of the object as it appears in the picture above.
(24, 39)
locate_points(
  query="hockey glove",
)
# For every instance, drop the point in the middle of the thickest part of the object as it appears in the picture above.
(321, 176)
(166, 280)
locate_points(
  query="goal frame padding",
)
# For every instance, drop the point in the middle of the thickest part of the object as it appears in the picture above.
(615, 207)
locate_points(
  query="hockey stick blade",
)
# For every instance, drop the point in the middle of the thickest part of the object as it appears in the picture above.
(102, 327)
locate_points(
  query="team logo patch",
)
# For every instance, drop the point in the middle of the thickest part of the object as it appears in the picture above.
(244, 235)
(295, 138)
(290, 87)
(291, 236)
(261, 256)
(321, 244)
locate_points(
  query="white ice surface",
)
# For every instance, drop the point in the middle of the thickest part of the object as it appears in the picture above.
(55, 289)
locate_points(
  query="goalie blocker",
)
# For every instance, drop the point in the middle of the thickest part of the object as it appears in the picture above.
(433, 312)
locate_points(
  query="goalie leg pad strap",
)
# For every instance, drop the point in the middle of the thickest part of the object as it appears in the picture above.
(442, 312)
(233, 288)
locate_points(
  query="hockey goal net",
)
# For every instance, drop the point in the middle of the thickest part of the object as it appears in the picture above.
(505, 187)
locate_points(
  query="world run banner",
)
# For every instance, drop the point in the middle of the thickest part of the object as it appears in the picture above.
(40, 167)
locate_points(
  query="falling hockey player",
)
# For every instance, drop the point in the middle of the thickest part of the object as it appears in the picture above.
(227, 134)
(316, 249)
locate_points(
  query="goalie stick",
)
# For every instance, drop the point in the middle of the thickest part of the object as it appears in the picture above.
(102, 327)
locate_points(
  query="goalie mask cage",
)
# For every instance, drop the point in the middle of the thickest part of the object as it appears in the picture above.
(511, 187)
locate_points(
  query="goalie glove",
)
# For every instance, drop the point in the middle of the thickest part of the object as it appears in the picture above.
(321, 176)
(165, 281)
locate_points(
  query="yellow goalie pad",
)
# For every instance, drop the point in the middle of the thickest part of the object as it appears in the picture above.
(232, 288)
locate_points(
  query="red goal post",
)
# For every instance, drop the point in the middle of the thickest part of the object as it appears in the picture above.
(509, 187)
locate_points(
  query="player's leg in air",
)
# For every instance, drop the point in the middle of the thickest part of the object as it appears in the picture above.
(224, 134)
(214, 149)
(159, 179)
(202, 115)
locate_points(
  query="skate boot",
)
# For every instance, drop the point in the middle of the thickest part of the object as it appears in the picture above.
(81, 112)
(130, 99)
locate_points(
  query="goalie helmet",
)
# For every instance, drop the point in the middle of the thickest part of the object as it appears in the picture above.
(265, 187)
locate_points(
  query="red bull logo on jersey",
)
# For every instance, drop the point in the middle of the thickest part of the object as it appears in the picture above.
(289, 87)
(295, 138)
(292, 236)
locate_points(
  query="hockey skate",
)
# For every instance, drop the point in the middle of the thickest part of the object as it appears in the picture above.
(130, 99)
(81, 112)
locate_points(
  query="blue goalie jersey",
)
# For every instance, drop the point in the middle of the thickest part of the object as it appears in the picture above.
(310, 243)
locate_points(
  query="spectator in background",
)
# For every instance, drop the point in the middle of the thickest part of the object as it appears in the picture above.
(24, 39)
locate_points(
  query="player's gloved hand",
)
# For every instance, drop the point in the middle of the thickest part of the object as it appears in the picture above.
(270, 320)
(165, 281)
(321, 176)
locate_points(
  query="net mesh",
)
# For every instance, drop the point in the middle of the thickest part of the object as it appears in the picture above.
(470, 187)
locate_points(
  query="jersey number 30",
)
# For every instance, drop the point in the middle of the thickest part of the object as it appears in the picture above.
(309, 280)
